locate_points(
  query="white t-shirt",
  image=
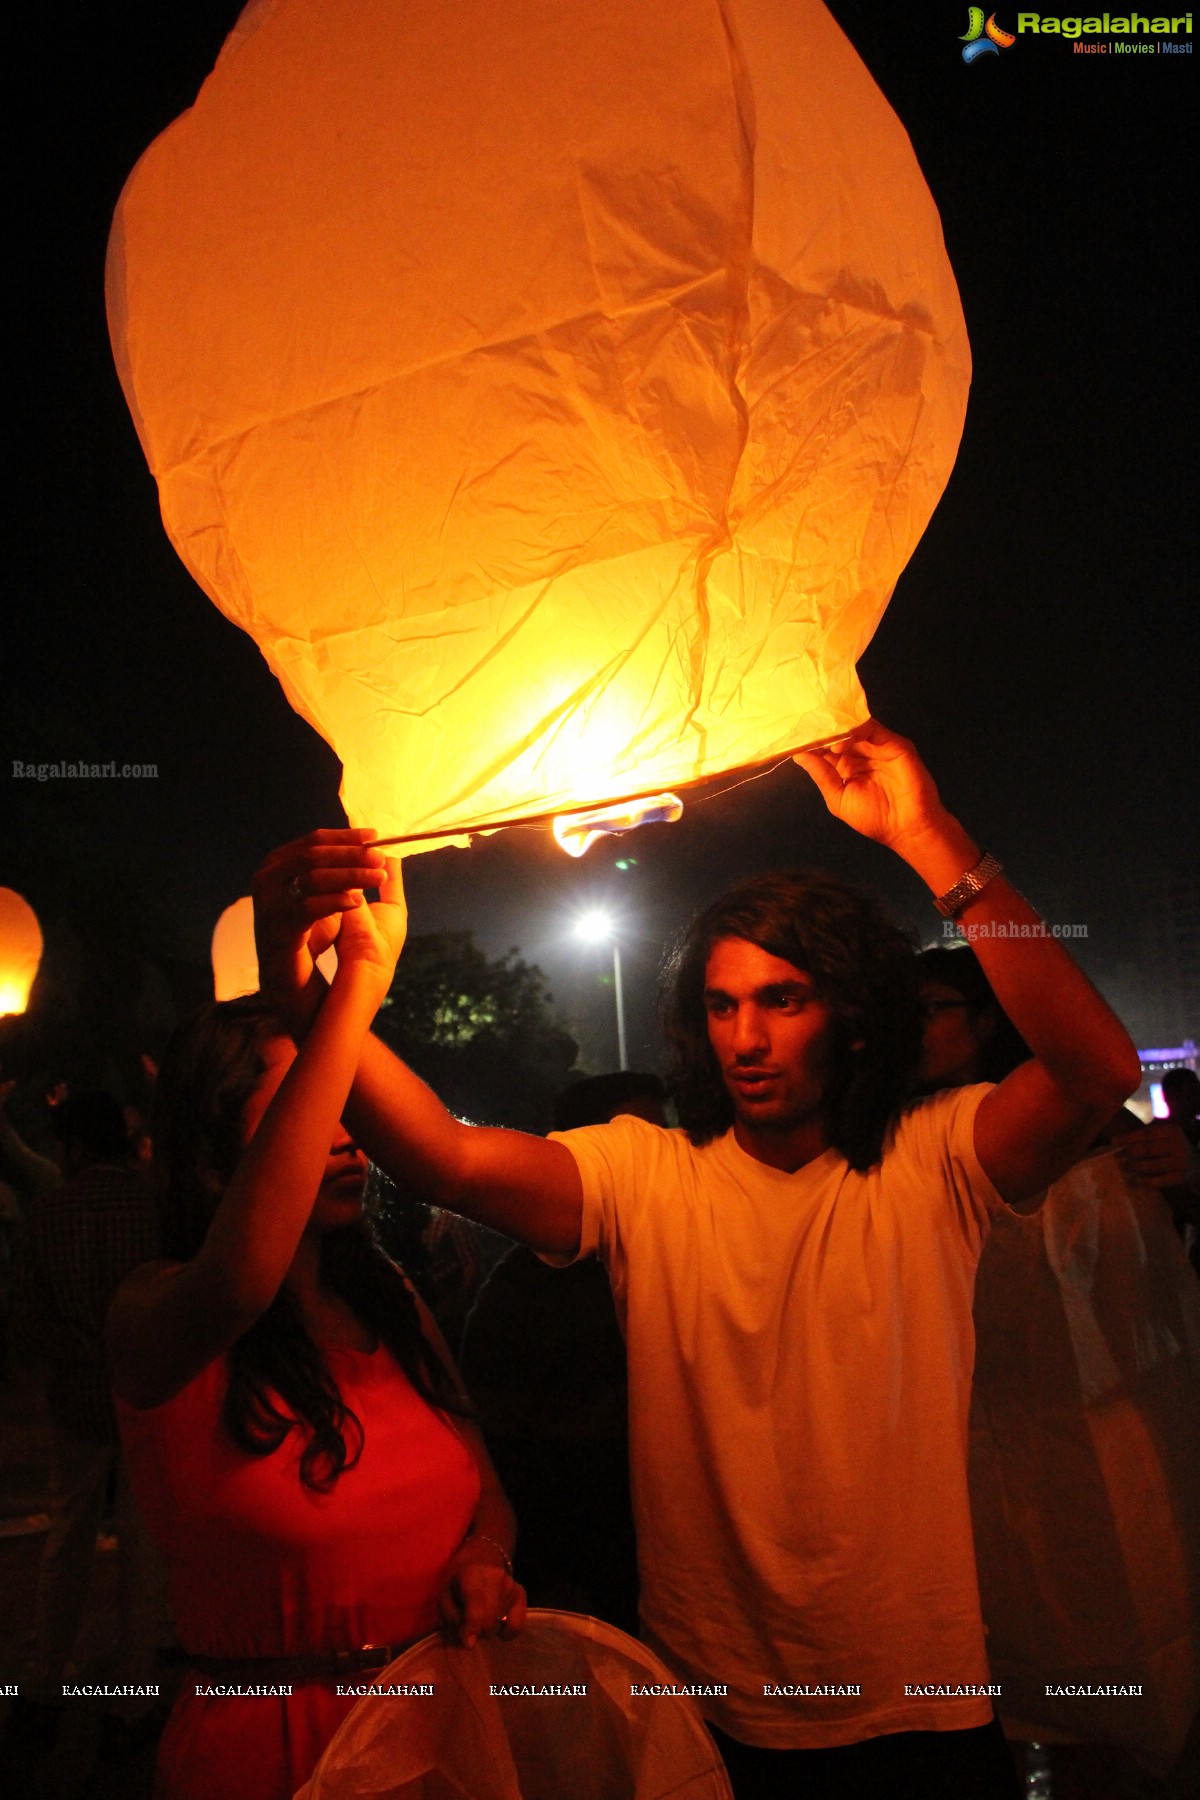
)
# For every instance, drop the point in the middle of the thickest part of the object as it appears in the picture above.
(800, 1351)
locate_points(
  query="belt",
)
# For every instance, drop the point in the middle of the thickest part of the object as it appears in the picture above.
(315, 1665)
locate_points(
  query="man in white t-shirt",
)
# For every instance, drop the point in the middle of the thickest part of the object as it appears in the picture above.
(794, 1270)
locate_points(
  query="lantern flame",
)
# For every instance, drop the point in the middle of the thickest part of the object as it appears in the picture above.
(577, 832)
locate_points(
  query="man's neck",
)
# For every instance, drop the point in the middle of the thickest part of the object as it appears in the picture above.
(789, 1148)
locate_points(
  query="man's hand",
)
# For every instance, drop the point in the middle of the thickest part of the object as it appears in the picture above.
(479, 1597)
(300, 895)
(1160, 1156)
(875, 782)
(1035, 1124)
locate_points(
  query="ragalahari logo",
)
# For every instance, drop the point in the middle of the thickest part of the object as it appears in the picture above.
(980, 39)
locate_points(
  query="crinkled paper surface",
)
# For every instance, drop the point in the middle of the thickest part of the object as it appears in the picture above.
(1085, 1465)
(554, 392)
(464, 1743)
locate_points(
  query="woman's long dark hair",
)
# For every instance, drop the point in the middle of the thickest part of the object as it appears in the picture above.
(862, 966)
(278, 1377)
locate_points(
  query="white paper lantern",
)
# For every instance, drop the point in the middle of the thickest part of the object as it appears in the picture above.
(555, 392)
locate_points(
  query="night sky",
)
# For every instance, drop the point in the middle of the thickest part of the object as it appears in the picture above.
(1041, 647)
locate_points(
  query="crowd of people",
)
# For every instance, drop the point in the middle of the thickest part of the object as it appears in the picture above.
(864, 1391)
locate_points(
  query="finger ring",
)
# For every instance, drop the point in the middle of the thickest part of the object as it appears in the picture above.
(294, 888)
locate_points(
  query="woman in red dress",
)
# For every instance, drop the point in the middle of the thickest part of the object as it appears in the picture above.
(295, 1431)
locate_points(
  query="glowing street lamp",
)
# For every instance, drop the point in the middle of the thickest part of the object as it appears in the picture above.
(596, 927)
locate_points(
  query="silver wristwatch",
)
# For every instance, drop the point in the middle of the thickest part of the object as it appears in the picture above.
(969, 887)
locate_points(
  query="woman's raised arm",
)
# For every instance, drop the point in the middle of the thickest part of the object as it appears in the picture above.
(169, 1320)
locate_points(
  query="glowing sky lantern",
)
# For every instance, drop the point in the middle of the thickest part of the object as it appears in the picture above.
(234, 957)
(555, 392)
(20, 951)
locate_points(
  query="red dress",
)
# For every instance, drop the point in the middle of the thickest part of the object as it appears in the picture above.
(260, 1566)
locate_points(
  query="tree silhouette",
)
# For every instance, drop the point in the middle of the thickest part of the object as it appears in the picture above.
(483, 1033)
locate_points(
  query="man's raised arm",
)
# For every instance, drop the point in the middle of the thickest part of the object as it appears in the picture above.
(1038, 1121)
(524, 1186)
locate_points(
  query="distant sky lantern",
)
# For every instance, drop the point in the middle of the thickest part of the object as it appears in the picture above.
(20, 951)
(234, 957)
(555, 392)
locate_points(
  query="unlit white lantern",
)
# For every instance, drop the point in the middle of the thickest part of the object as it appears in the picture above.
(555, 392)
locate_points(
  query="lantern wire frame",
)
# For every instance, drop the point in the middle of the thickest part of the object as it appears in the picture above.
(547, 821)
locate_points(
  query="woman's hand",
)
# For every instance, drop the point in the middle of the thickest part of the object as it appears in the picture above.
(300, 895)
(479, 1597)
(371, 937)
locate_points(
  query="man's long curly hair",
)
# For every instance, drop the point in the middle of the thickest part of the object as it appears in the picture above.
(278, 1376)
(861, 965)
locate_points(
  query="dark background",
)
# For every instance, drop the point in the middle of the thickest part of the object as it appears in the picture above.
(1041, 648)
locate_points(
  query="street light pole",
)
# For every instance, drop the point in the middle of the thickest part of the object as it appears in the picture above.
(596, 927)
(622, 1057)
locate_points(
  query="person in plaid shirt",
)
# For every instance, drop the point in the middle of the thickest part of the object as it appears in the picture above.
(83, 1237)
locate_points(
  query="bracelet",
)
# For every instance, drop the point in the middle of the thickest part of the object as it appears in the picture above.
(969, 887)
(481, 1537)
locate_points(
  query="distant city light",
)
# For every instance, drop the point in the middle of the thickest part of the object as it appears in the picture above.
(1183, 1054)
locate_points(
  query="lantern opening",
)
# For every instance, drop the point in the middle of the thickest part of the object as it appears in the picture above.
(577, 832)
